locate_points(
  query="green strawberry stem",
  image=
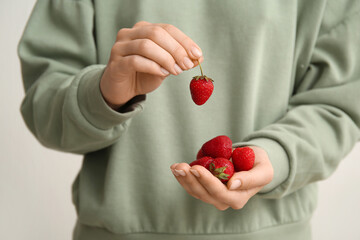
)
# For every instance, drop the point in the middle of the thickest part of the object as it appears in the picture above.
(202, 74)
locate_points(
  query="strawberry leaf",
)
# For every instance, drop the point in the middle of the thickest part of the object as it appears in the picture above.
(220, 170)
(223, 176)
(211, 167)
(203, 77)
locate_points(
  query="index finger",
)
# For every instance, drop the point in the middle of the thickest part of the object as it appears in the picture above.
(189, 45)
(167, 37)
(193, 50)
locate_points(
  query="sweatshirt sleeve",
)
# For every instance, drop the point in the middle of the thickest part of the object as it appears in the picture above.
(322, 123)
(63, 106)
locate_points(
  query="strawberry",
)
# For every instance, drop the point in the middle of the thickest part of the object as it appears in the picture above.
(222, 168)
(220, 146)
(243, 159)
(200, 154)
(201, 88)
(204, 161)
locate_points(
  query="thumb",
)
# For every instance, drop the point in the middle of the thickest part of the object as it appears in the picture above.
(259, 176)
(242, 180)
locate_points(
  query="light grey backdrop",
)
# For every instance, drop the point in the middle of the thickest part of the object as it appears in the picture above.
(35, 183)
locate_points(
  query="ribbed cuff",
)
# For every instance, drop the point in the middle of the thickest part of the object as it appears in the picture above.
(278, 159)
(93, 106)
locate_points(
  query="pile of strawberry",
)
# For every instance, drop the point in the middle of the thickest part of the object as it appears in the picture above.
(218, 157)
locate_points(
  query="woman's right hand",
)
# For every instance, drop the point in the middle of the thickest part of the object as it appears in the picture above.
(142, 57)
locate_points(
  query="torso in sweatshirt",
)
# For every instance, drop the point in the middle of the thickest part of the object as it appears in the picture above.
(260, 55)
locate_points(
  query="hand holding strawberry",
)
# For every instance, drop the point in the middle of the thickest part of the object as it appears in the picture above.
(216, 152)
(142, 57)
(202, 184)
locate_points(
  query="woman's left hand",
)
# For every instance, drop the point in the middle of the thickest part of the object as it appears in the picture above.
(201, 184)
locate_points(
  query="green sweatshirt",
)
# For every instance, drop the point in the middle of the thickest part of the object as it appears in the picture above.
(287, 79)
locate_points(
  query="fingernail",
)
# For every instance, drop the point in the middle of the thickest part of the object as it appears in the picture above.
(196, 52)
(236, 184)
(196, 173)
(181, 172)
(188, 63)
(164, 71)
(175, 173)
(178, 70)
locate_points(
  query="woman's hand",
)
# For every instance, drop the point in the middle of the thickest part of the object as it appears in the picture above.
(201, 184)
(142, 57)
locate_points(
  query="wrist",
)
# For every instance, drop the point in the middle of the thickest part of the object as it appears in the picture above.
(115, 94)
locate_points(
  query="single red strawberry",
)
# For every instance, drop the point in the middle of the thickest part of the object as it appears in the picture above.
(201, 88)
(200, 154)
(243, 159)
(222, 168)
(204, 161)
(220, 146)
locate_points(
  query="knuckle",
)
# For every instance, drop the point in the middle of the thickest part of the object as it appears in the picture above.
(237, 206)
(199, 168)
(218, 195)
(133, 60)
(169, 27)
(115, 50)
(221, 207)
(201, 197)
(268, 178)
(168, 61)
(246, 184)
(182, 166)
(140, 23)
(122, 33)
(179, 51)
(144, 45)
(156, 33)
